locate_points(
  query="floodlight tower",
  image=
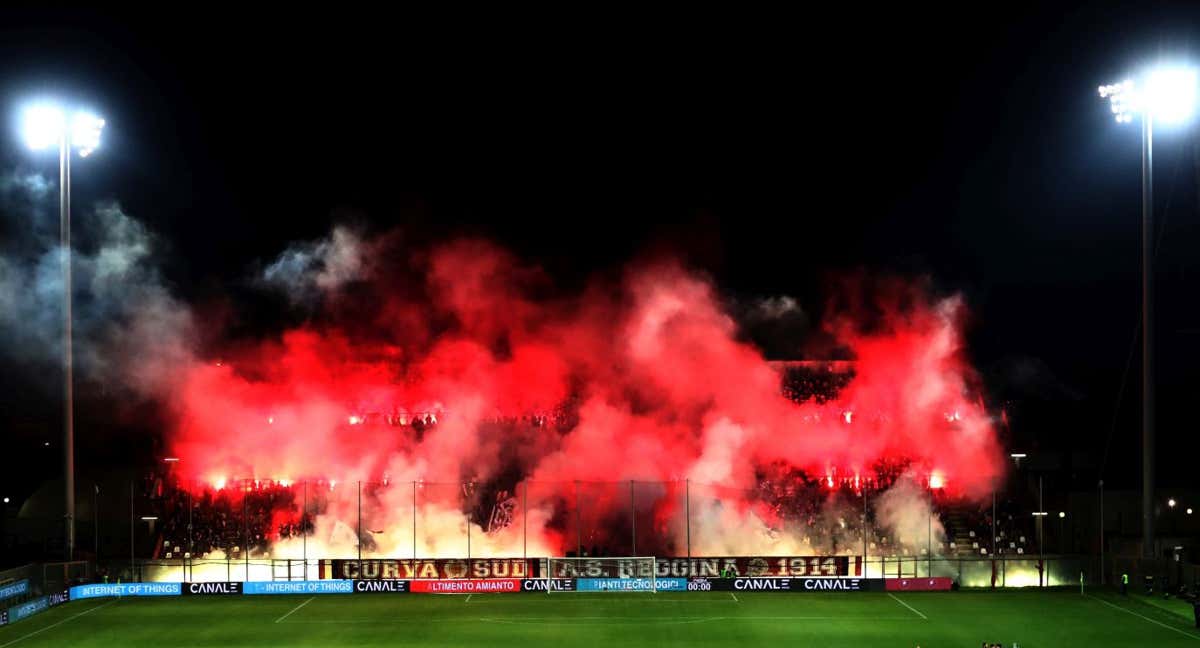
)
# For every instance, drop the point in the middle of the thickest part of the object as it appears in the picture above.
(43, 126)
(1167, 95)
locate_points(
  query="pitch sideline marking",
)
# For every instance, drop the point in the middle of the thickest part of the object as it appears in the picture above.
(39, 631)
(468, 599)
(735, 598)
(1146, 618)
(615, 620)
(619, 620)
(310, 599)
(896, 599)
(598, 621)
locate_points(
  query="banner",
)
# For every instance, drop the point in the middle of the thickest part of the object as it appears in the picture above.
(630, 584)
(470, 586)
(230, 588)
(298, 587)
(381, 587)
(548, 585)
(125, 589)
(426, 568)
(451, 568)
(740, 566)
(14, 589)
(28, 609)
(779, 584)
(936, 584)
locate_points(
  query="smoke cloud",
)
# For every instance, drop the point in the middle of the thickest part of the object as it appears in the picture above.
(305, 271)
(458, 380)
(127, 326)
(630, 388)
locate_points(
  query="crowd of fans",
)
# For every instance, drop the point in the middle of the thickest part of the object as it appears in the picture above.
(801, 385)
(826, 510)
(240, 516)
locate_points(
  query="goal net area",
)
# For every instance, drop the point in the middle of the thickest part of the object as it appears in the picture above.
(629, 574)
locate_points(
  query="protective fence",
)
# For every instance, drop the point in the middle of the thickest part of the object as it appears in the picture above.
(250, 519)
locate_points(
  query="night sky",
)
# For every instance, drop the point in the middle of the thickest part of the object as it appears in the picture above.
(772, 153)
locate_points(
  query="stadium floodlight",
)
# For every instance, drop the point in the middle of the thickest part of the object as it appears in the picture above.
(1189, 511)
(85, 132)
(42, 126)
(1171, 94)
(1171, 502)
(1040, 514)
(6, 502)
(45, 125)
(1062, 514)
(170, 459)
(1166, 94)
(1018, 455)
(149, 518)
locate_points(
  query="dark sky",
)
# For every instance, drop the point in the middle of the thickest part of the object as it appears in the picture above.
(771, 151)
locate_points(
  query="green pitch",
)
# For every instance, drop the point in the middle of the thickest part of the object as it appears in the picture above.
(1054, 619)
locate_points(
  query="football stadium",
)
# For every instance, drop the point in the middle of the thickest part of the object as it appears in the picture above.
(862, 328)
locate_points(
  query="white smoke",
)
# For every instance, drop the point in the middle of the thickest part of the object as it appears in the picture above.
(773, 308)
(304, 271)
(29, 188)
(128, 329)
(905, 511)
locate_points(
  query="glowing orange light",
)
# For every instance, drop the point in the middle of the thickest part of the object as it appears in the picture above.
(936, 480)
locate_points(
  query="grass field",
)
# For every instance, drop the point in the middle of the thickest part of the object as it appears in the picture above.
(746, 620)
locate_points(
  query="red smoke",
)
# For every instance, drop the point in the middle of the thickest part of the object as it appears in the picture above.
(643, 379)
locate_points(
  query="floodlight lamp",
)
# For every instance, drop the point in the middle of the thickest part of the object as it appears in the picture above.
(42, 126)
(1170, 94)
(85, 132)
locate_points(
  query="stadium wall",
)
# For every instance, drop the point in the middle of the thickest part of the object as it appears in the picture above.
(971, 572)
